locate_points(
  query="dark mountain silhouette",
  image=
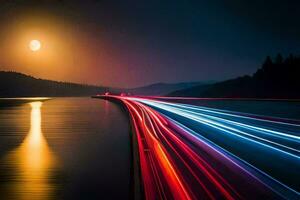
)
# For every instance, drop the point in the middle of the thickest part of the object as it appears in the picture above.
(13, 84)
(161, 88)
(275, 79)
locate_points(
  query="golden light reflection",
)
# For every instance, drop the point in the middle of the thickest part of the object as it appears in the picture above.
(33, 162)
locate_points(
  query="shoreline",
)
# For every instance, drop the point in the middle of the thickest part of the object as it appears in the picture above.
(136, 184)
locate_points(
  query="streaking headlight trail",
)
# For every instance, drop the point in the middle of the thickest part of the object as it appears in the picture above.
(194, 152)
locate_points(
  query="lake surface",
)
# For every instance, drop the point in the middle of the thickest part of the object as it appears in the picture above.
(64, 148)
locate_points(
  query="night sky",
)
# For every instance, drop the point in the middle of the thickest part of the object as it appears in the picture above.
(132, 43)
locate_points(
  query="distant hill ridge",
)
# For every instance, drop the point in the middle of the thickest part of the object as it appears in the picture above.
(14, 84)
(164, 88)
(277, 78)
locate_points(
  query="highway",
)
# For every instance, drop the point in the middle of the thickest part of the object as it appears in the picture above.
(194, 152)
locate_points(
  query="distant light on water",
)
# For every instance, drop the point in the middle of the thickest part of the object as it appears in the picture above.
(35, 135)
(33, 161)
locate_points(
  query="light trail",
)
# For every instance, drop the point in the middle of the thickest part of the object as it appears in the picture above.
(191, 152)
(220, 123)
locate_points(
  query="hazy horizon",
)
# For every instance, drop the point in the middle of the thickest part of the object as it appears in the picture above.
(138, 86)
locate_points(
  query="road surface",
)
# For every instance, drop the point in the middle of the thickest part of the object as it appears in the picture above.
(194, 152)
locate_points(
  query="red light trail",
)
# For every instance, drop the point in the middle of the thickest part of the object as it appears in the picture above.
(177, 163)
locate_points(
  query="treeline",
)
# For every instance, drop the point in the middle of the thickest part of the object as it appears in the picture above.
(277, 78)
(14, 84)
(279, 71)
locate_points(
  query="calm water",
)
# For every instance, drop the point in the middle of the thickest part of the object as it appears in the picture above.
(64, 148)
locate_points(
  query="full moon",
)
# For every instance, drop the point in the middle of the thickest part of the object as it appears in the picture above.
(34, 45)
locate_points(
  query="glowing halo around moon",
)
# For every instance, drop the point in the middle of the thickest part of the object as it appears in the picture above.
(35, 45)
